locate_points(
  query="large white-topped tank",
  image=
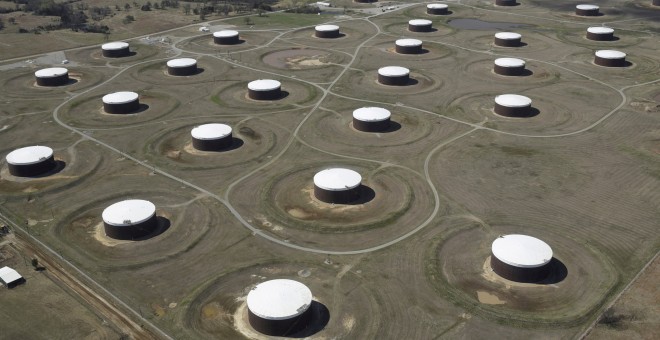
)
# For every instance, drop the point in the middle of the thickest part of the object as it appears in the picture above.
(513, 105)
(587, 10)
(121, 102)
(264, 89)
(371, 119)
(420, 25)
(116, 49)
(408, 46)
(182, 67)
(30, 161)
(326, 31)
(508, 39)
(509, 66)
(337, 185)
(129, 219)
(610, 58)
(226, 37)
(52, 76)
(211, 137)
(600, 33)
(394, 75)
(521, 258)
(437, 9)
(279, 307)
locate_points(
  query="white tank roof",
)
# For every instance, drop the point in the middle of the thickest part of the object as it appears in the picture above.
(326, 28)
(225, 34)
(181, 62)
(509, 62)
(211, 131)
(29, 155)
(337, 179)
(117, 45)
(610, 54)
(586, 7)
(513, 100)
(507, 35)
(436, 6)
(393, 71)
(279, 299)
(371, 114)
(521, 251)
(51, 72)
(121, 97)
(264, 85)
(408, 42)
(600, 30)
(420, 22)
(128, 212)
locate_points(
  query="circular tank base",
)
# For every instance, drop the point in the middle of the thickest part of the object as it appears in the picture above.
(394, 81)
(621, 62)
(53, 81)
(265, 95)
(586, 12)
(509, 71)
(131, 232)
(123, 108)
(600, 37)
(507, 42)
(31, 170)
(408, 49)
(182, 71)
(226, 40)
(212, 144)
(337, 197)
(513, 111)
(519, 274)
(378, 126)
(280, 327)
(123, 52)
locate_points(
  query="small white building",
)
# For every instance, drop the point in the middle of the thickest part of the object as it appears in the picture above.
(10, 277)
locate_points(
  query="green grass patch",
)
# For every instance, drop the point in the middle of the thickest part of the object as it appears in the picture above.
(279, 20)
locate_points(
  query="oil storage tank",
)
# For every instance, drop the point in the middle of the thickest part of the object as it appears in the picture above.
(337, 185)
(30, 161)
(521, 258)
(130, 219)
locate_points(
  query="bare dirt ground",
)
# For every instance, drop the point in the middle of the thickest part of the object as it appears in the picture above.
(410, 261)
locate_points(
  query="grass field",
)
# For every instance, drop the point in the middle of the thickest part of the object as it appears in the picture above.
(409, 261)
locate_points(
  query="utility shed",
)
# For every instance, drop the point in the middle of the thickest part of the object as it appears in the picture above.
(10, 277)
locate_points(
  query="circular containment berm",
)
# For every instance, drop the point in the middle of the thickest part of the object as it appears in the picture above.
(227, 37)
(420, 25)
(53, 76)
(509, 66)
(129, 219)
(30, 161)
(610, 58)
(182, 67)
(371, 119)
(520, 258)
(508, 39)
(121, 102)
(393, 75)
(505, 2)
(264, 89)
(326, 31)
(408, 46)
(279, 307)
(211, 137)
(437, 9)
(337, 185)
(513, 105)
(587, 10)
(599, 33)
(116, 49)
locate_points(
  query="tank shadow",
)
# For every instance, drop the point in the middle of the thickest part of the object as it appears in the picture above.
(558, 272)
(366, 195)
(59, 166)
(320, 319)
(162, 225)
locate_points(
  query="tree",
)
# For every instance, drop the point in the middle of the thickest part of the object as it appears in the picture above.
(12, 21)
(35, 263)
(2, 24)
(128, 19)
(127, 7)
(186, 8)
(247, 21)
(156, 5)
